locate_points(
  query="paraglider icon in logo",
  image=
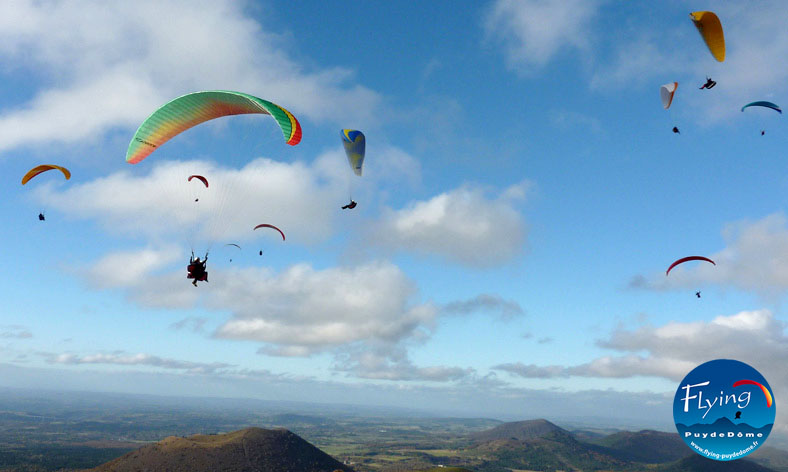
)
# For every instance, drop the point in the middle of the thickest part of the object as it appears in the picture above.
(738, 415)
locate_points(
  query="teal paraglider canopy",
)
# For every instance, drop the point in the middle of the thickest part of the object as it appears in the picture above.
(763, 104)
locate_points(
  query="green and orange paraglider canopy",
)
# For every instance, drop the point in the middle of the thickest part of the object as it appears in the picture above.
(192, 109)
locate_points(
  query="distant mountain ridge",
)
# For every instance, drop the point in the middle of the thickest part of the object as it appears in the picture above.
(541, 445)
(523, 445)
(246, 450)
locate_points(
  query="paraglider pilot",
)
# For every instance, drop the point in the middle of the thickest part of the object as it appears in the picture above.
(709, 84)
(196, 269)
(697, 294)
(350, 205)
(41, 217)
(676, 130)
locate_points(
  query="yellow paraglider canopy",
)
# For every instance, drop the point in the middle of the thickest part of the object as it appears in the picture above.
(43, 168)
(710, 29)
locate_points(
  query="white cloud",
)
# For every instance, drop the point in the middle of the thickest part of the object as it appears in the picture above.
(114, 63)
(126, 268)
(534, 31)
(757, 338)
(298, 198)
(138, 359)
(755, 259)
(464, 225)
(676, 348)
(193, 323)
(15, 332)
(756, 42)
(303, 310)
(383, 362)
(487, 303)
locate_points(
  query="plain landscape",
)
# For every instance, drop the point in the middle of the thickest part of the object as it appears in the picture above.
(70, 431)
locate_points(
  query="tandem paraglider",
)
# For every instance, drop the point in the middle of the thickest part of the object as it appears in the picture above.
(197, 269)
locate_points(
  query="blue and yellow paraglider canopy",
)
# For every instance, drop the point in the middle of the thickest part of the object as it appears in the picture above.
(355, 144)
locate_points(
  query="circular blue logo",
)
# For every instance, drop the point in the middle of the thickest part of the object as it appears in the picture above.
(724, 409)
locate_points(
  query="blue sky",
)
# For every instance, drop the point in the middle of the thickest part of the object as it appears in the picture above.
(522, 196)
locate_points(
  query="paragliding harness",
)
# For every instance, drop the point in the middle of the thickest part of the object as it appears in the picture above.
(41, 217)
(709, 84)
(350, 205)
(196, 269)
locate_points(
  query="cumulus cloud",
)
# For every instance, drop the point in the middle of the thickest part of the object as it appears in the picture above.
(534, 31)
(299, 197)
(303, 310)
(755, 337)
(752, 68)
(676, 348)
(119, 61)
(364, 315)
(755, 259)
(387, 363)
(464, 225)
(125, 268)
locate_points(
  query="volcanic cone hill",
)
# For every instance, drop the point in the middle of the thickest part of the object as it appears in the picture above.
(539, 445)
(519, 431)
(247, 450)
